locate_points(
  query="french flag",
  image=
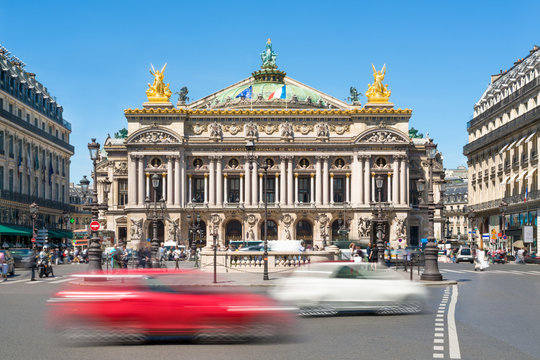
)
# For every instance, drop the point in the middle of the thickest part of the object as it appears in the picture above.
(280, 93)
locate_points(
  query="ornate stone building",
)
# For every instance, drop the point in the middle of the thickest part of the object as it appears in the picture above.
(34, 156)
(502, 154)
(323, 158)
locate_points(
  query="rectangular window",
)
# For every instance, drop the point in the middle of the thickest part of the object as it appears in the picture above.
(1, 178)
(10, 147)
(19, 113)
(11, 108)
(28, 117)
(20, 189)
(270, 190)
(304, 190)
(35, 122)
(198, 190)
(36, 187)
(63, 193)
(2, 104)
(43, 194)
(10, 180)
(233, 190)
(1, 142)
(122, 192)
(28, 185)
(50, 192)
(63, 167)
(339, 189)
(57, 193)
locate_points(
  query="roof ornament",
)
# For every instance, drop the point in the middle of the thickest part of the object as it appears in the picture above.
(378, 92)
(158, 92)
(268, 57)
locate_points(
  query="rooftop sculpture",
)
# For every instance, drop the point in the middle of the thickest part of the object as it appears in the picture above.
(378, 92)
(158, 92)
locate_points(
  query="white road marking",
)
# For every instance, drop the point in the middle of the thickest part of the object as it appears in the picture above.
(438, 341)
(439, 329)
(439, 334)
(438, 348)
(453, 341)
(60, 281)
(440, 315)
(438, 356)
(13, 281)
(454, 271)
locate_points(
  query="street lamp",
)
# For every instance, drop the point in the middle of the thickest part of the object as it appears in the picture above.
(34, 208)
(194, 228)
(250, 148)
(152, 213)
(471, 214)
(214, 236)
(94, 248)
(503, 206)
(431, 267)
(380, 220)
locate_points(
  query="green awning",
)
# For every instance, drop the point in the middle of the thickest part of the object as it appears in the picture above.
(15, 230)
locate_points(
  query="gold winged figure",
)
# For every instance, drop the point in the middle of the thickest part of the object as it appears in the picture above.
(158, 92)
(378, 92)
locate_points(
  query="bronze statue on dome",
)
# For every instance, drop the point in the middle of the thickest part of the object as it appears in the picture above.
(268, 57)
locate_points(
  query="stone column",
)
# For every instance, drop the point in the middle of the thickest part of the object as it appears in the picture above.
(389, 188)
(212, 181)
(247, 197)
(276, 186)
(296, 188)
(312, 189)
(147, 185)
(395, 184)
(325, 181)
(170, 182)
(360, 178)
(177, 187)
(219, 182)
(261, 199)
(290, 189)
(318, 187)
(332, 188)
(164, 187)
(226, 190)
(402, 181)
(206, 188)
(190, 190)
(373, 196)
(241, 189)
(348, 188)
(183, 179)
(140, 182)
(283, 188)
(132, 181)
(254, 184)
(407, 177)
(366, 180)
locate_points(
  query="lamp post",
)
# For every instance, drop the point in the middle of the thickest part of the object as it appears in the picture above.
(431, 268)
(250, 148)
(448, 236)
(214, 237)
(34, 208)
(94, 248)
(152, 214)
(503, 206)
(380, 220)
(194, 228)
(471, 214)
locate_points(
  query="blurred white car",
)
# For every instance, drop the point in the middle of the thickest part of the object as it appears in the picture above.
(335, 287)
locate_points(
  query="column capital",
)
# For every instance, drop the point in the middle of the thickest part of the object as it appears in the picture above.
(147, 175)
(164, 174)
(205, 175)
(363, 156)
(189, 176)
(172, 157)
(373, 174)
(312, 175)
(296, 175)
(241, 175)
(225, 175)
(277, 175)
(261, 174)
(348, 175)
(331, 175)
(390, 174)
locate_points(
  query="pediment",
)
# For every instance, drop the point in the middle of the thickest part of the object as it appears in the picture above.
(154, 135)
(383, 136)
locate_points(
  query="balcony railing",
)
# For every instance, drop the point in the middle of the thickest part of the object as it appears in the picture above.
(511, 200)
(26, 199)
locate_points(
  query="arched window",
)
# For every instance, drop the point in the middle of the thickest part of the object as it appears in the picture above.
(233, 231)
(272, 230)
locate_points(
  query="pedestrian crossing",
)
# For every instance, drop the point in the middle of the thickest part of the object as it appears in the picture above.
(50, 280)
(489, 271)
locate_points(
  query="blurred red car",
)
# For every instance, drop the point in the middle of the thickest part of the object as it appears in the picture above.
(135, 305)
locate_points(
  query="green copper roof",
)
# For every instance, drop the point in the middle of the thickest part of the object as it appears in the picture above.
(267, 88)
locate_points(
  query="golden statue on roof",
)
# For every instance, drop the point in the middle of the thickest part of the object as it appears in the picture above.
(378, 92)
(158, 92)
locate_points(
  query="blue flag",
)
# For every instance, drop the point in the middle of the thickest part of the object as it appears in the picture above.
(246, 93)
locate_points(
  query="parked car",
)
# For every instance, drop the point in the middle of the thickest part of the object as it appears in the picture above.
(10, 261)
(334, 287)
(465, 254)
(22, 257)
(103, 306)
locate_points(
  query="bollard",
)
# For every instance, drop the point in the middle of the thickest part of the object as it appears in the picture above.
(412, 266)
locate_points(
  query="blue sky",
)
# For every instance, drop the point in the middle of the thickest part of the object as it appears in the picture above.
(94, 56)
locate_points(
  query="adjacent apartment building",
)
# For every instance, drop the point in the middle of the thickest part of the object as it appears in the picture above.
(34, 156)
(502, 156)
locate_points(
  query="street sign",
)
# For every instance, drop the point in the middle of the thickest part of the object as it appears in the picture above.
(528, 235)
(72, 220)
(33, 239)
(94, 225)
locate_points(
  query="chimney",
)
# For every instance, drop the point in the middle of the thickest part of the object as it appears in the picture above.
(535, 47)
(496, 76)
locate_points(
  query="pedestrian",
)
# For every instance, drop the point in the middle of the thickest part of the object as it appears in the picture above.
(176, 255)
(481, 262)
(33, 262)
(520, 256)
(373, 257)
(3, 265)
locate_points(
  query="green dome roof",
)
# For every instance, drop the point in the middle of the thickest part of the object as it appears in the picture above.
(267, 88)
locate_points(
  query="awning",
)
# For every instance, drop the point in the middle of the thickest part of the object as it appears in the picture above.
(521, 140)
(60, 234)
(505, 180)
(530, 137)
(513, 178)
(15, 230)
(504, 148)
(512, 145)
(521, 176)
(531, 173)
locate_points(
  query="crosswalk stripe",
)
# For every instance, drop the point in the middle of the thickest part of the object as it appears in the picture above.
(13, 281)
(60, 281)
(454, 271)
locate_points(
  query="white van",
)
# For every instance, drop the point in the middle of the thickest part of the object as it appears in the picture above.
(465, 254)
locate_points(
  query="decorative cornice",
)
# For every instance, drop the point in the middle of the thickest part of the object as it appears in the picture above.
(363, 111)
